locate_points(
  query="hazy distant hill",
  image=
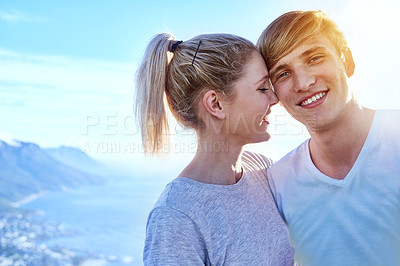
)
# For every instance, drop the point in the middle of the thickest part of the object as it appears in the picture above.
(26, 169)
(74, 157)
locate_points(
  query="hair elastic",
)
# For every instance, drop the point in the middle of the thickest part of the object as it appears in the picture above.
(174, 46)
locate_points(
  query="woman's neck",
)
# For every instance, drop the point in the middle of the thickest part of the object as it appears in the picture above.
(216, 162)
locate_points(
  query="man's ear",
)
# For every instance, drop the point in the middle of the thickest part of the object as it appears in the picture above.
(347, 58)
(213, 105)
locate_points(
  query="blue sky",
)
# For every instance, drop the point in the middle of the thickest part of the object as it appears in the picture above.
(67, 67)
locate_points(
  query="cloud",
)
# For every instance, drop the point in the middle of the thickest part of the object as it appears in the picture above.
(15, 16)
(65, 75)
(47, 99)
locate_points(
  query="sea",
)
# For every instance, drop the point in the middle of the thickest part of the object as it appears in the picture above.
(108, 220)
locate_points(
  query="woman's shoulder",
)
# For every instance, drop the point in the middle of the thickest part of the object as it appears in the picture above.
(255, 161)
(183, 194)
(173, 193)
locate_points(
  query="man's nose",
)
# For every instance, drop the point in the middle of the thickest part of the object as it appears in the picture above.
(303, 80)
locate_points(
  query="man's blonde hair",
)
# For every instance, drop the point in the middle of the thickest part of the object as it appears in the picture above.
(291, 29)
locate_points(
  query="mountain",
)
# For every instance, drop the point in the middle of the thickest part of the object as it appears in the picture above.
(75, 157)
(26, 170)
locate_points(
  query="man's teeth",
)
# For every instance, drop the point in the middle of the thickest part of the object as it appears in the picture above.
(313, 99)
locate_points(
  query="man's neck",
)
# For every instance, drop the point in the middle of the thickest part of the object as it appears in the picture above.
(335, 150)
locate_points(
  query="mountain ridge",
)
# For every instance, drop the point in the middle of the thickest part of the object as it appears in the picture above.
(26, 170)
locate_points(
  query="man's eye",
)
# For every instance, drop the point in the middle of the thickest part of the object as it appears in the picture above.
(264, 89)
(283, 74)
(315, 58)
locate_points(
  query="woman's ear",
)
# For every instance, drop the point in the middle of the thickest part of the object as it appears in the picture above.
(213, 105)
(347, 58)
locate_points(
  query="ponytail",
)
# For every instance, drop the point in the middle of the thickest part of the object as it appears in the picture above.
(151, 105)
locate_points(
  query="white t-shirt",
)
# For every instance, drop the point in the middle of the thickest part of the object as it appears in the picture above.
(354, 221)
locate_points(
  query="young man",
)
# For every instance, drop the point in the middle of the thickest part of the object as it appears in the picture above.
(339, 191)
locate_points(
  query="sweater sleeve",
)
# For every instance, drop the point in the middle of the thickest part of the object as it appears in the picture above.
(172, 238)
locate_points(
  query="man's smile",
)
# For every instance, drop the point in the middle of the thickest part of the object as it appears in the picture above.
(313, 100)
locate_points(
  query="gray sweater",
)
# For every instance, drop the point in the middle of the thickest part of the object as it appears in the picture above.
(195, 223)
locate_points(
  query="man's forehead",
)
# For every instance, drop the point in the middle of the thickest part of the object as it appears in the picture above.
(306, 48)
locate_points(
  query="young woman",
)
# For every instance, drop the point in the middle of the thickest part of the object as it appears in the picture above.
(219, 210)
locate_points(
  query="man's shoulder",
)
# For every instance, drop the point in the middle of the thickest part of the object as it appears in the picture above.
(384, 123)
(388, 111)
(293, 155)
(290, 161)
(387, 115)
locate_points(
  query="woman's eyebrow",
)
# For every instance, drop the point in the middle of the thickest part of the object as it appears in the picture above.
(262, 79)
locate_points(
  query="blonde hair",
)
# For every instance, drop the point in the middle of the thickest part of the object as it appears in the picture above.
(289, 30)
(179, 78)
